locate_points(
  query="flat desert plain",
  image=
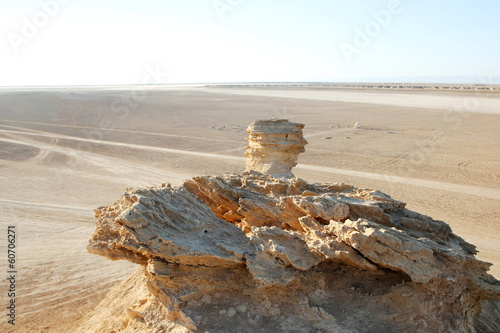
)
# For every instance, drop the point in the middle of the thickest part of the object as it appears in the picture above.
(67, 150)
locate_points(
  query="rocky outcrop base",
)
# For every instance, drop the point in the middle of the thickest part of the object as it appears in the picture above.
(255, 253)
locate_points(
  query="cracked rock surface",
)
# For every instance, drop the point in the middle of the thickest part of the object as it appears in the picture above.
(258, 253)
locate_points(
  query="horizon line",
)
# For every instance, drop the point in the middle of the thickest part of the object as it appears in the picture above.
(250, 82)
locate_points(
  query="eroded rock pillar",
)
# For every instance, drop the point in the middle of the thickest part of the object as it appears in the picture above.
(273, 146)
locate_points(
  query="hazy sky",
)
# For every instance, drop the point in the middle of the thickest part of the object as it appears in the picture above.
(58, 42)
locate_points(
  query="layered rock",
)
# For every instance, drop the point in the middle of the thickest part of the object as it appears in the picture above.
(273, 146)
(262, 253)
(259, 253)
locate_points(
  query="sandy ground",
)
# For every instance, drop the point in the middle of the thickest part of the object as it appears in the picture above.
(66, 151)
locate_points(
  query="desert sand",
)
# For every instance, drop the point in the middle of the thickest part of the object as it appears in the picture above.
(66, 151)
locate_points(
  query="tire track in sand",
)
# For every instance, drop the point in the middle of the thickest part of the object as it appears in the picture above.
(101, 162)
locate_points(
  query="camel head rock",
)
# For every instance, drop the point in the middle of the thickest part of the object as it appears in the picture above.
(260, 253)
(273, 146)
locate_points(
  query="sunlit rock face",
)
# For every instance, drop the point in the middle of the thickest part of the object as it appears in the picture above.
(264, 253)
(273, 146)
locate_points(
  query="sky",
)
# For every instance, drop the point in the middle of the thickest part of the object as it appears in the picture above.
(108, 42)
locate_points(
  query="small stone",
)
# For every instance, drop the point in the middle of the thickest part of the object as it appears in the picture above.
(274, 312)
(231, 312)
(241, 308)
(206, 299)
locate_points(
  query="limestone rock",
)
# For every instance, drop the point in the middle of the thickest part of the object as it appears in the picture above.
(262, 243)
(166, 224)
(273, 146)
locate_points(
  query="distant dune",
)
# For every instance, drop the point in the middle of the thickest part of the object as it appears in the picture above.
(366, 85)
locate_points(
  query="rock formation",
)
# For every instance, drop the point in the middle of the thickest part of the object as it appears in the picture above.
(259, 253)
(273, 146)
